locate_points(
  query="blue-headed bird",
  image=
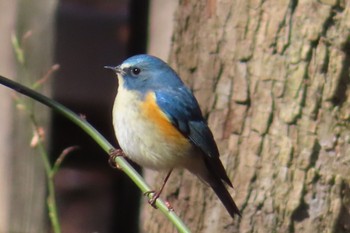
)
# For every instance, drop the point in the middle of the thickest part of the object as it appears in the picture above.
(159, 125)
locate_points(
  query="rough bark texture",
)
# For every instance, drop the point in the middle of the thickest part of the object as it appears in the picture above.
(273, 79)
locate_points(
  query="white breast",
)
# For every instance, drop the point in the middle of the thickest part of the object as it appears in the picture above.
(140, 139)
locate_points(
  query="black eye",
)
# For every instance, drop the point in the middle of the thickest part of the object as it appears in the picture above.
(135, 71)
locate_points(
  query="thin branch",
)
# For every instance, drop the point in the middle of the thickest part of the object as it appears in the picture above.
(101, 141)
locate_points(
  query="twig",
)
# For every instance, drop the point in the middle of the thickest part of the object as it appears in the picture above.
(101, 141)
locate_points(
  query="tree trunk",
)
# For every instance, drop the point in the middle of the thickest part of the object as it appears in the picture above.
(273, 79)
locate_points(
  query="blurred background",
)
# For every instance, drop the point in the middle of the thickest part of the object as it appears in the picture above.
(81, 36)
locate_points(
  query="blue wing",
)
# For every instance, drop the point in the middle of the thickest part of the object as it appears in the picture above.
(183, 110)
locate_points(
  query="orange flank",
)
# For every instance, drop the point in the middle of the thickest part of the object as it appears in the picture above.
(152, 111)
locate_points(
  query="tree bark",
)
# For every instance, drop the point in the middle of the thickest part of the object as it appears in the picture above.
(273, 79)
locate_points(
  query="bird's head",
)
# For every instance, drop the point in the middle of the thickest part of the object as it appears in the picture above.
(145, 73)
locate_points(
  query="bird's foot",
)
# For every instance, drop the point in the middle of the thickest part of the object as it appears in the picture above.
(154, 198)
(114, 153)
(156, 195)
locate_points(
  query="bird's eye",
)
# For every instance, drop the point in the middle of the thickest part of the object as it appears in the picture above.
(135, 71)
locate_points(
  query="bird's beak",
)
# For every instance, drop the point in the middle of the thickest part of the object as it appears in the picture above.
(116, 69)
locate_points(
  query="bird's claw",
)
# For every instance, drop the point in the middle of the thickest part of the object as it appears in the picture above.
(114, 153)
(153, 199)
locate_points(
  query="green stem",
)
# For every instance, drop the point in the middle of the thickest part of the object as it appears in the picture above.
(52, 207)
(101, 141)
(51, 198)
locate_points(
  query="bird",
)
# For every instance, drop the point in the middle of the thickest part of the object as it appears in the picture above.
(159, 125)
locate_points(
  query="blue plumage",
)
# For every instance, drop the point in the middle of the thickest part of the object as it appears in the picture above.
(183, 110)
(152, 104)
(179, 105)
(155, 75)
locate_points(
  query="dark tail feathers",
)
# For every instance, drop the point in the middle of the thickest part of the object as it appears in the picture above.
(225, 197)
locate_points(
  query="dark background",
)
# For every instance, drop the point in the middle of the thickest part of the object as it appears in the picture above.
(90, 34)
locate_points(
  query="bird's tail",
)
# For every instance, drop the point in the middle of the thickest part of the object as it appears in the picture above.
(202, 171)
(221, 191)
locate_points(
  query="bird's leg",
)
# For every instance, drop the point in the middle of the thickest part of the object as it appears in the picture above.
(156, 195)
(114, 153)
